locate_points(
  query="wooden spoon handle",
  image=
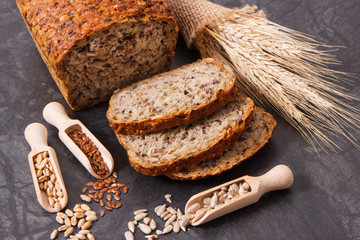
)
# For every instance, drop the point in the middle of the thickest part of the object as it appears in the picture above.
(36, 135)
(277, 178)
(55, 114)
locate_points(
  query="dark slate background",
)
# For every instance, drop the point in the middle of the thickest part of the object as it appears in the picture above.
(323, 203)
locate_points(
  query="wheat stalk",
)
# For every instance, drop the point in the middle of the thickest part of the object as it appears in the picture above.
(286, 70)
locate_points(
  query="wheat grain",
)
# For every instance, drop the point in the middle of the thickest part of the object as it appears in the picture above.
(284, 69)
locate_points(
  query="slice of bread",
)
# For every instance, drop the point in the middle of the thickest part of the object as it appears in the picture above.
(255, 136)
(173, 98)
(186, 145)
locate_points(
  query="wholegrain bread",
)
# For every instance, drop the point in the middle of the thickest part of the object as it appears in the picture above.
(186, 145)
(254, 137)
(170, 99)
(92, 48)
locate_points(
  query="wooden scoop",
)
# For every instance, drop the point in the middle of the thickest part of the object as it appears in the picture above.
(279, 177)
(55, 114)
(36, 135)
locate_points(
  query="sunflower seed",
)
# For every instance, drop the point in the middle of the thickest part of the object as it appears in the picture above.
(161, 210)
(129, 235)
(168, 198)
(167, 229)
(144, 228)
(140, 216)
(246, 186)
(179, 213)
(147, 220)
(137, 212)
(152, 224)
(199, 214)
(158, 232)
(214, 201)
(131, 226)
(164, 214)
(176, 228)
(85, 198)
(170, 220)
(157, 208)
(193, 208)
(168, 216)
(172, 210)
(54, 234)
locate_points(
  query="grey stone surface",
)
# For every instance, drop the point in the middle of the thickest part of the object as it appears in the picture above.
(322, 204)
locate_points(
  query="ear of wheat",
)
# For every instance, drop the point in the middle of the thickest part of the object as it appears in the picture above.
(277, 67)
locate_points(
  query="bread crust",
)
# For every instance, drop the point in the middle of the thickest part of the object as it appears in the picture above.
(190, 174)
(164, 122)
(56, 26)
(211, 151)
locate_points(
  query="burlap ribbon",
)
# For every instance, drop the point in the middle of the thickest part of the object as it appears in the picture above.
(194, 15)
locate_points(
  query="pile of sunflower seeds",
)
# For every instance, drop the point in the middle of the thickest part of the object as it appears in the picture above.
(47, 179)
(81, 217)
(217, 198)
(174, 221)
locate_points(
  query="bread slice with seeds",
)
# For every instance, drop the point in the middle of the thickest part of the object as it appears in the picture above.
(254, 137)
(173, 98)
(186, 145)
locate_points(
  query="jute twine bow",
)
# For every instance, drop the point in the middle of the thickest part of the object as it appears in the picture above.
(194, 15)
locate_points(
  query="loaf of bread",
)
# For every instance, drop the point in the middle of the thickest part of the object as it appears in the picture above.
(173, 98)
(254, 137)
(92, 48)
(186, 145)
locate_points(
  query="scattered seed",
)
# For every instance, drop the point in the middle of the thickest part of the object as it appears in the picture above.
(170, 220)
(167, 229)
(84, 232)
(137, 212)
(81, 223)
(176, 228)
(144, 228)
(102, 213)
(90, 184)
(140, 216)
(86, 225)
(59, 219)
(161, 210)
(109, 208)
(158, 232)
(57, 206)
(118, 205)
(84, 190)
(63, 228)
(168, 198)
(90, 236)
(171, 210)
(69, 212)
(79, 215)
(125, 190)
(179, 213)
(152, 224)
(117, 197)
(164, 214)
(85, 198)
(91, 218)
(79, 236)
(53, 234)
(74, 221)
(129, 235)
(67, 221)
(131, 226)
(68, 231)
(151, 236)
(88, 213)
